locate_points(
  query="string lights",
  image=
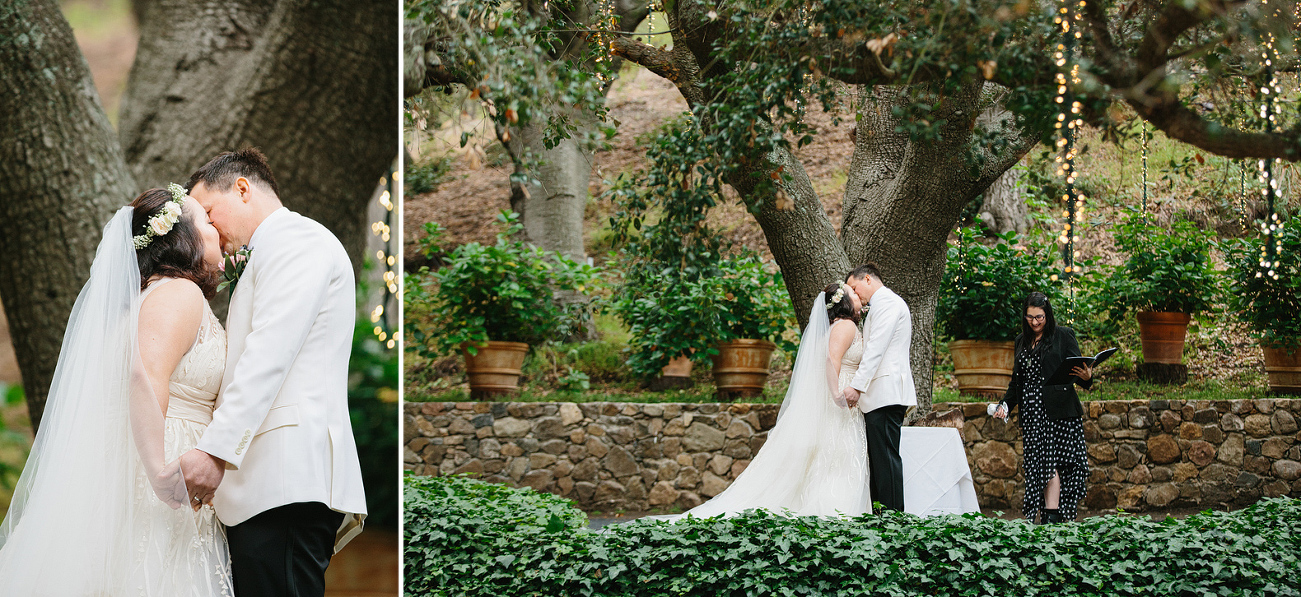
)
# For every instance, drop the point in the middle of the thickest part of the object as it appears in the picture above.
(387, 260)
(1069, 122)
(1144, 134)
(1273, 246)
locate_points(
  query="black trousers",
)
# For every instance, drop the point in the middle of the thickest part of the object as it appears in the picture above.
(884, 465)
(283, 552)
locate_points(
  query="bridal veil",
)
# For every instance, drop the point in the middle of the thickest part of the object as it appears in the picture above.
(71, 528)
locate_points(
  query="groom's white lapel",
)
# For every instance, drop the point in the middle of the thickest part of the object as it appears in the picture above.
(281, 421)
(884, 375)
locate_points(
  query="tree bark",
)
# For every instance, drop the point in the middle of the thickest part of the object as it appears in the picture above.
(552, 203)
(62, 176)
(1003, 209)
(309, 83)
(902, 198)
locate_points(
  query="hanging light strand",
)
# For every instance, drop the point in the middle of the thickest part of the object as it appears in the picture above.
(387, 261)
(1273, 246)
(1070, 120)
(1144, 133)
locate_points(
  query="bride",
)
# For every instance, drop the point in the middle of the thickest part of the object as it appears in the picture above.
(815, 460)
(101, 508)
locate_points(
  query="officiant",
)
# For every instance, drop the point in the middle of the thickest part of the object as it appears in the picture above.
(1055, 463)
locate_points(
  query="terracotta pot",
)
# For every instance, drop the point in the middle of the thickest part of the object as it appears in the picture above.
(741, 368)
(1283, 368)
(1163, 336)
(496, 369)
(982, 367)
(679, 367)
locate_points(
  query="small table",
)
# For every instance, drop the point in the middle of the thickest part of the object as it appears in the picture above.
(936, 476)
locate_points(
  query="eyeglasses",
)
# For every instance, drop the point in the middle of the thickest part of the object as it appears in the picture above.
(1034, 318)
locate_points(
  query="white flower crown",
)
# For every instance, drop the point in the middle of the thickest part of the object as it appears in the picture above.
(840, 294)
(166, 217)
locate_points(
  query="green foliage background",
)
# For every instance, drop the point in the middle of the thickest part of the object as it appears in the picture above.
(986, 285)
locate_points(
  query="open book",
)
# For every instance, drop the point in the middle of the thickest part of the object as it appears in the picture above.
(1063, 375)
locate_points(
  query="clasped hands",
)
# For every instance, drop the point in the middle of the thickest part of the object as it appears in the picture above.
(848, 397)
(191, 480)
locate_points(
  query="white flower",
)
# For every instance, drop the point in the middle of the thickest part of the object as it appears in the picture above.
(159, 225)
(173, 209)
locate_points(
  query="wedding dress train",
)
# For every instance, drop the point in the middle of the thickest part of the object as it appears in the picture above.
(814, 462)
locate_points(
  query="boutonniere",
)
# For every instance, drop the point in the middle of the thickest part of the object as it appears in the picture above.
(232, 267)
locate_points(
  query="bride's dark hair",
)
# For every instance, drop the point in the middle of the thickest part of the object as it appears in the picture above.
(177, 254)
(844, 309)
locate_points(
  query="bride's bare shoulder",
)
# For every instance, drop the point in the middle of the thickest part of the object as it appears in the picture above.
(845, 327)
(174, 303)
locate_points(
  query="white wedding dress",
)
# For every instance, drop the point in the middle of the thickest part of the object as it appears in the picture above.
(99, 510)
(185, 551)
(814, 462)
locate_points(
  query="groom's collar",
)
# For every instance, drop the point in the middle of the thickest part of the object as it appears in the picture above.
(272, 220)
(880, 292)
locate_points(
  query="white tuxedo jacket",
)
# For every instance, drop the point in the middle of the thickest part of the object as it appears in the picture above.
(281, 420)
(885, 375)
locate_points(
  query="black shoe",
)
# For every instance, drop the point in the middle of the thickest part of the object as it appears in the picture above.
(1048, 516)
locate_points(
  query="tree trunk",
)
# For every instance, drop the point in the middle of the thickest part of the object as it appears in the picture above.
(551, 205)
(62, 176)
(309, 83)
(1003, 209)
(902, 199)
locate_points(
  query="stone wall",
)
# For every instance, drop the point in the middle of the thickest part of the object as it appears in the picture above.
(635, 457)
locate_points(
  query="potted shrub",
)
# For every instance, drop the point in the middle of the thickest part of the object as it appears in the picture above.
(490, 302)
(1266, 295)
(979, 308)
(1166, 278)
(733, 314)
(754, 311)
(671, 319)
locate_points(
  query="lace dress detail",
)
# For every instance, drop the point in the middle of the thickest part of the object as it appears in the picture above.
(183, 552)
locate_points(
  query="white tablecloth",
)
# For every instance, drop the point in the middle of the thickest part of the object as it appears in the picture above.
(936, 476)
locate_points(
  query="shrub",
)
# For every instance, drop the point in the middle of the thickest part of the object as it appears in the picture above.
(1269, 304)
(425, 178)
(1166, 269)
(465, 537)
(504, 292)
(986, 285)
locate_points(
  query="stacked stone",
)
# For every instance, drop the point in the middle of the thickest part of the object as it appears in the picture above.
(634, 457)
(1156, 454)
(604, 456)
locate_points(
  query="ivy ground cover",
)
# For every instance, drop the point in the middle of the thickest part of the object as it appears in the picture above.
(467, 537)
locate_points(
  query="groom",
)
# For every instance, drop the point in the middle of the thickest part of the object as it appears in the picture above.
(291, 495)
(883, 386)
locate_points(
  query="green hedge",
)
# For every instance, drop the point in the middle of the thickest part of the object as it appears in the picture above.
(465, 537)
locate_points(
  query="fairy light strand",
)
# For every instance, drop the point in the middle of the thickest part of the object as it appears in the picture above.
(1069, 122)
(1273, 246)
(387, 260)
(1144, 133)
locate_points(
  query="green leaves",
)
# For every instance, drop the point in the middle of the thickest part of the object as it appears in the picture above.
(502, 292)
(985, 286)
(466, 537)
(1167, 269)
(682, 293)
(1272, 307)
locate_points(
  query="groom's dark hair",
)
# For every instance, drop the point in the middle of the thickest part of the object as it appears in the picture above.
(867, 269)
(220, 173)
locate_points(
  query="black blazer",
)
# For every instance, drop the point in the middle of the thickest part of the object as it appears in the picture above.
(1061, 401)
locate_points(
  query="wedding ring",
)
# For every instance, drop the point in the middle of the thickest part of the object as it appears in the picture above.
(196, 498)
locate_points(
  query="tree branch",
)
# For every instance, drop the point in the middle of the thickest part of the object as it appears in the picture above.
(650, 57)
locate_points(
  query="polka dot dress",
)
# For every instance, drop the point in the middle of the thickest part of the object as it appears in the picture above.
(1050, 446)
